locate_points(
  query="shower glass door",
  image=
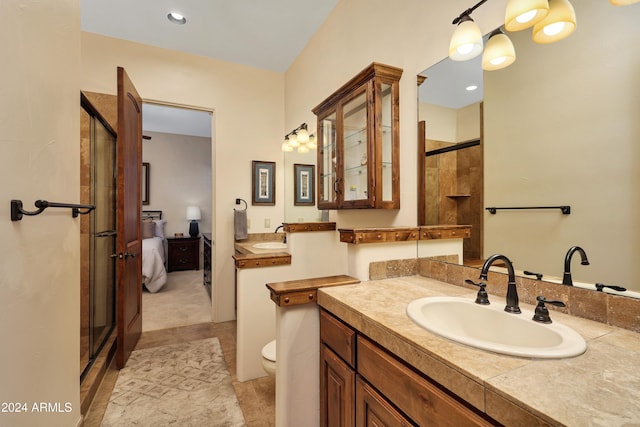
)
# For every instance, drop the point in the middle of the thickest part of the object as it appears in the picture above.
(98, 173)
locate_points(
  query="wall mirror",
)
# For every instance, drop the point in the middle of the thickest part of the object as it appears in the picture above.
(560, 127)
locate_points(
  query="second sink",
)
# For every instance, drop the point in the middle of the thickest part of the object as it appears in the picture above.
(491, 328)
(270, 245)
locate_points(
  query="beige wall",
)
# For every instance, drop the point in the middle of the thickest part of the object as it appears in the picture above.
(249, 125)
(180, 176)
(40, 255)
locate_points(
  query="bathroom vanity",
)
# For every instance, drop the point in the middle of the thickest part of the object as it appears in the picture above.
(377, 363)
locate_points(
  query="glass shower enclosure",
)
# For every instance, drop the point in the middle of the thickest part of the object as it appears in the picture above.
(98, 234)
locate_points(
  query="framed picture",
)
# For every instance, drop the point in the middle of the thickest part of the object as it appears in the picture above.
(304, 185)
(263, 183)
(145, 183)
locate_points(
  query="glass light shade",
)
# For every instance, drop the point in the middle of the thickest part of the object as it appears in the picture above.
(312, 144)
(286, 147)
(522, 14)
(466, 41)
(193, 213)
(293, 140)
(303, 149)
(303, 136)
(622, 2)
(498, 53)
(558, 24)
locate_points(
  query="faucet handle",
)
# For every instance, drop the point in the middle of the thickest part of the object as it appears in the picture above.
(601, 286)
(482, 298)
(531, 273)
(542, 313)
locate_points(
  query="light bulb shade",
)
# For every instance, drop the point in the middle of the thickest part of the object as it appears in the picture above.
(193, 213)
(498, 53)
(622, 2)
(303, 136)
(558, 24)
(312, 144)
(466, 41)
(522, 14)
(286, 147)
(303, 149)
(293, 140)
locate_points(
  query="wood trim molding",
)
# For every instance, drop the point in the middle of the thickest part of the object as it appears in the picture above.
(301, 227)
(296, 292)
(435, 232)
(378, 235)
(260, 260)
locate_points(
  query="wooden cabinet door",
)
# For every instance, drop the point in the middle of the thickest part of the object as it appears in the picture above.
(337, 391)
(373, 410)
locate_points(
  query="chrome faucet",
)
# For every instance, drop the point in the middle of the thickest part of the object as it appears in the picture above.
(566, 277)
(512, 293)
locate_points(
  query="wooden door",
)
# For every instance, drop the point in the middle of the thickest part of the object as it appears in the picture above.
(128, 242)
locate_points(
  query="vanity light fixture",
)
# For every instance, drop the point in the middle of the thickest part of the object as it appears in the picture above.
(623, 2)
(522, 14)
(558, 24)
(177, 18)
(499, 52)
(300, 138)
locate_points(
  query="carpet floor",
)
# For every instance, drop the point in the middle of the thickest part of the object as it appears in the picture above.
(183, 300)
(185, 384)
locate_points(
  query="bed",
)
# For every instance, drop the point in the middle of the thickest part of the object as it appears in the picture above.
(154, 274)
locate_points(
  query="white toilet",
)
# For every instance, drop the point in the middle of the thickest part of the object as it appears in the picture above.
(269, 358)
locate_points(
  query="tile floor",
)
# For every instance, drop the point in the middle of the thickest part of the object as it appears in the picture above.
(256, 397)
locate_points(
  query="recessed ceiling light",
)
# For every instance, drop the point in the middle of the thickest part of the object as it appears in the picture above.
(176, 18)
(472, 87)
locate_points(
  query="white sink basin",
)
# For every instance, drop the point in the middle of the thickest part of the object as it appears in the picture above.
(489, 327)
(270, 245)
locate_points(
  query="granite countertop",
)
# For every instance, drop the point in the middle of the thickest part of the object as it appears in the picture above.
(599, 388)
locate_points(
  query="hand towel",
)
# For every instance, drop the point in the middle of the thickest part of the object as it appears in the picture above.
(240, 224)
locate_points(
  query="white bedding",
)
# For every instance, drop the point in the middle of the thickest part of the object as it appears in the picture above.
(154, 275)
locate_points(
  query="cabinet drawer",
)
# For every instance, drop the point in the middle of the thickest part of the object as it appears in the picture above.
(338, 336)
(416, 396)
(460, 233)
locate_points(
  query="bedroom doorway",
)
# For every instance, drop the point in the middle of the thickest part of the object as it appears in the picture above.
(177, 153)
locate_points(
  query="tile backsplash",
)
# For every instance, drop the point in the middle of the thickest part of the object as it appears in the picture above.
(614, 310)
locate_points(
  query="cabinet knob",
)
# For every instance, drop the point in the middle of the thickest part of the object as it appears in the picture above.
(310, 296)
(379, 236)
(286, 300)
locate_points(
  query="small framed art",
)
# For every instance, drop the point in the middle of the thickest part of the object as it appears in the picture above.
(263, 183)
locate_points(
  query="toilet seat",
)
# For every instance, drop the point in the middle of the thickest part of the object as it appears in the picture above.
(269, 351)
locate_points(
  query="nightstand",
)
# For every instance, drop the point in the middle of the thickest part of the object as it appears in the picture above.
(184, 253)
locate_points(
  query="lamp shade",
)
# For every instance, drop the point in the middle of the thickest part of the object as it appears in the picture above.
(558, 24)
(193, 213)
(622, 2)
(466, 41)
(522, 14)
(498, 53)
